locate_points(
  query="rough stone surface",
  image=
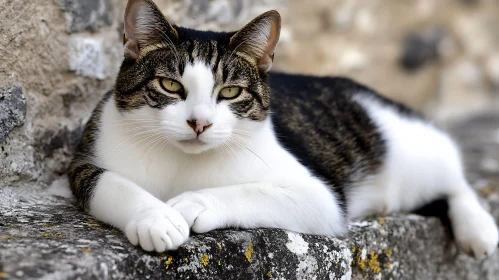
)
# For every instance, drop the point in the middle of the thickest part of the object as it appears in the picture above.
(92, 56)
(12, 109)
(87, 15)
(43, 235)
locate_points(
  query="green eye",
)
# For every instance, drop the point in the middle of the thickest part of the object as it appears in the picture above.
(170, 85)
(230, 92)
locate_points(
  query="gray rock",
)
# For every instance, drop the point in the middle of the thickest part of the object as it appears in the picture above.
(12, 109)
(87, 15)
(45, 236)
(421, 48)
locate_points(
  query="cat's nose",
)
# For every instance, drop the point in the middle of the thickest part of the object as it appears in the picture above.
(199, 126)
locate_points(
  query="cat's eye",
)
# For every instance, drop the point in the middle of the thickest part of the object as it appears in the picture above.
(229, 92)
(171, 86)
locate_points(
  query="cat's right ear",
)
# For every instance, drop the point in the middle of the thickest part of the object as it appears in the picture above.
(145, 26)
(258, 39)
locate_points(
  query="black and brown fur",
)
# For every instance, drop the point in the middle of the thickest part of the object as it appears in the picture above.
(82, 172)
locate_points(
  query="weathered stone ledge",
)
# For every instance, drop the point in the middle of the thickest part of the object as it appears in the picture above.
(42, 235)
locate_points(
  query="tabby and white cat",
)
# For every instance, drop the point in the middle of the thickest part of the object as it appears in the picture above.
(198, 135)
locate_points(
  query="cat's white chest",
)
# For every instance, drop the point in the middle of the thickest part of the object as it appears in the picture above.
(165, 171)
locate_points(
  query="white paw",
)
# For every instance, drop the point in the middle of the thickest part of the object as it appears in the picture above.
(475, 230)
(158, 228)
(198, 211)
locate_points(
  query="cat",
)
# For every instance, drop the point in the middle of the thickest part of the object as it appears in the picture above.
(199, 135)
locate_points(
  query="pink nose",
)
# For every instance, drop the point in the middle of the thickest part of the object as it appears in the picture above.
(198, 126)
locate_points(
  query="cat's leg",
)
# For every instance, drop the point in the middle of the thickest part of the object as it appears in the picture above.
(113, 199)
(304, 205)
(413, 177)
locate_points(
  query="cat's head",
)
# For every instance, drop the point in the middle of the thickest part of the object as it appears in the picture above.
(197, 89)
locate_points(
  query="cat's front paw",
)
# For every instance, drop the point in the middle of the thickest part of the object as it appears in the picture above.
(198, 210)
(158, 228)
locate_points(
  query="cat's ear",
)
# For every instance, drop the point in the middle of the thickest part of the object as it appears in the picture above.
(145, 26)
(258, 39)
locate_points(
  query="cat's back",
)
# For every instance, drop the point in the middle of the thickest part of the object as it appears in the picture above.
(325, 124)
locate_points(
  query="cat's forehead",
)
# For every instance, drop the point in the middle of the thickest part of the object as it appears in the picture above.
(203, 36)
(198, 78)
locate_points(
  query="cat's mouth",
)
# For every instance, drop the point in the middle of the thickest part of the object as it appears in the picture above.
(193, 146)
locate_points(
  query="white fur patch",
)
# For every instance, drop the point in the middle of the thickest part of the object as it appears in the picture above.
(199, 82)
(422, 164)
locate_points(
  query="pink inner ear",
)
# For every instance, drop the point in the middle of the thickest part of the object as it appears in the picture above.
(131, 14)
(265, 62)
(272, 40)
(132, 48)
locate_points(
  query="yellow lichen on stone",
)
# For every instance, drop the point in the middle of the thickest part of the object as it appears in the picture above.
(360, 261)
(92, 224)
(186, 260)
(387, 265)
(49, 235)
(388, 252)
(168, 262)
(205, 259)
(249, 252)
(86, 250)
(269, 274)
(381, 221)
(3, 274)
(374, 263)
(488, 190)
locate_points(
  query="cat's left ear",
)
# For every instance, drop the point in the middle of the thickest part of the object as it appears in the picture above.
(258, 39)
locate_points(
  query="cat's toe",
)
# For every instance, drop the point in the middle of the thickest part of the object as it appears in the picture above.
(145, 238)
(159, 236)
(131, 233)
(177, 230)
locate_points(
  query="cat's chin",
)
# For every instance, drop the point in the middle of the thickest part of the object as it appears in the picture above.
(193, 146)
